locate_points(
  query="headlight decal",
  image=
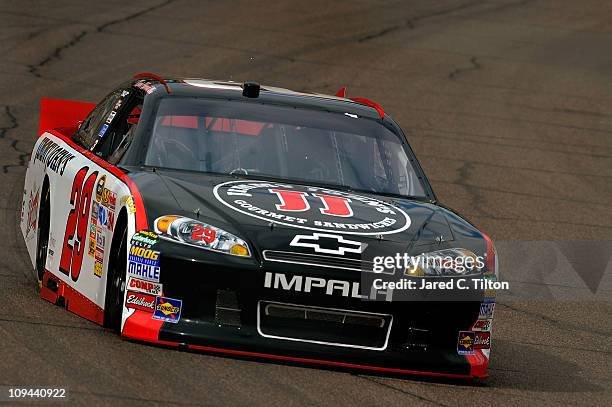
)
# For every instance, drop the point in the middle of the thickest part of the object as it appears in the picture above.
(199, 234)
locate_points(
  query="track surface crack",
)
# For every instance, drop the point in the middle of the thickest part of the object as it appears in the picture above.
(476, 196)
(56, 55)
(410, 23)
(458, 71)
(407, 393)
(4, 134)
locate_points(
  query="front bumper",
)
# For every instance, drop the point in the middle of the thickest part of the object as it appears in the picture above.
(226, 309)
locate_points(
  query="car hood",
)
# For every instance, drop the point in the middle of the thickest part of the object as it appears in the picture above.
(300, 217)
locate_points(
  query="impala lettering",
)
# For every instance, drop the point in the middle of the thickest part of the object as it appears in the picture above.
(308, 284)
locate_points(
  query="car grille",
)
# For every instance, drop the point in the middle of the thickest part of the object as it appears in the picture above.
(319, 260)
(324, 326)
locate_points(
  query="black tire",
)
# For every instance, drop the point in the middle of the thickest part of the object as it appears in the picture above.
(42, 245)
(115, 285)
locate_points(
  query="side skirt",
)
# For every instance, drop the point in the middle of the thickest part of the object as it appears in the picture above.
(58, 292)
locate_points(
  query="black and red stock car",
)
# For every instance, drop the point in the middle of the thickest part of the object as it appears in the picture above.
(242, 219)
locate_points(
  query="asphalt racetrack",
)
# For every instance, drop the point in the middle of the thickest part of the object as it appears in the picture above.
(507, 103)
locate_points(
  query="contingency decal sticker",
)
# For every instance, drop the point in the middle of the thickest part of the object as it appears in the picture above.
(482, 325)
(465, 343)
(128, 201)
(167, 309)
(486, 310)
(482, 340)
(143, 286)
(140, 301)
(143, 260)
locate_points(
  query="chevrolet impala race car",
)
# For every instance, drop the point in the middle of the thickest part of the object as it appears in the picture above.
(246, 220)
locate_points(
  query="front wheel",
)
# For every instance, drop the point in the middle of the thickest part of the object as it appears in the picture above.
(42, 245)
(115, 286)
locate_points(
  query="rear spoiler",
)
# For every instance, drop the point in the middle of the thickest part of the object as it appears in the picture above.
(64, 115)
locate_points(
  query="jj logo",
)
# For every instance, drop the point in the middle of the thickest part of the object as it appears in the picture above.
(295, 201)
(314, 208)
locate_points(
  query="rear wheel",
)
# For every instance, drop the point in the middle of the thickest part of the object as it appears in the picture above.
(115, 286)
(42, 245)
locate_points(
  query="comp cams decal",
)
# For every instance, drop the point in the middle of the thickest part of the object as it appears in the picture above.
(482, 325)
(147, 287)
(312, 208)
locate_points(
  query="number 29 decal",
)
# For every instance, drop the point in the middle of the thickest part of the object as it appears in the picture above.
(76, 225)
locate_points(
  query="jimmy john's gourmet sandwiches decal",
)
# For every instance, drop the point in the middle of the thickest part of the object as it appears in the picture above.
(312, 208)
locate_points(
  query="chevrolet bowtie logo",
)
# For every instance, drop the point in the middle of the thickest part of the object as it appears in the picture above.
(314, 241)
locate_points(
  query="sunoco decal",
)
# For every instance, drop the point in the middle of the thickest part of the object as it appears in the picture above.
(312, 208)
(167, 309)
(465, 343)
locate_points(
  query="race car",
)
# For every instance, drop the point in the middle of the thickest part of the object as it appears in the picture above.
(251, 220)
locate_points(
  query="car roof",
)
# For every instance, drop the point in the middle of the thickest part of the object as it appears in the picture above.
(198, 87)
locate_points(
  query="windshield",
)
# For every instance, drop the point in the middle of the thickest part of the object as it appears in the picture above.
(284, 143)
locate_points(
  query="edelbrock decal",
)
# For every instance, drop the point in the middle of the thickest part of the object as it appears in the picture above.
(312, 208)
(140, 301)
